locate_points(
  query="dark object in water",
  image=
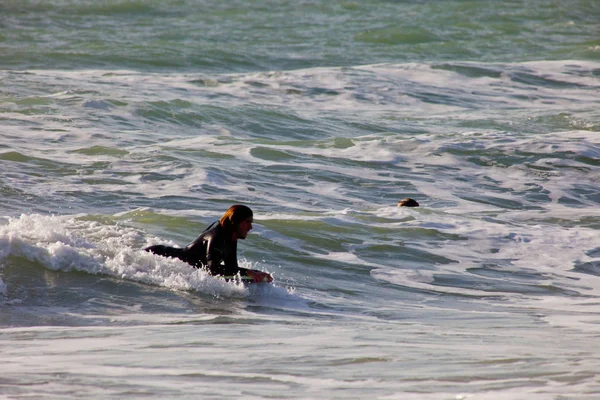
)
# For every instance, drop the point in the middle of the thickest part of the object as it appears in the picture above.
(408, 202)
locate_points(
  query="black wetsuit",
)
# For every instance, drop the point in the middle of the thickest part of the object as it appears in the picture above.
(213, 250)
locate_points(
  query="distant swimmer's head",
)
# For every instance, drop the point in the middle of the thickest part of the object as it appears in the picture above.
(408, 202)
(238, 219)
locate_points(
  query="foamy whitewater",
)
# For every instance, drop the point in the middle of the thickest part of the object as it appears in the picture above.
(127, 124)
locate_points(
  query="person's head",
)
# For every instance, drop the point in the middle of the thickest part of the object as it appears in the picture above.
(238, 219)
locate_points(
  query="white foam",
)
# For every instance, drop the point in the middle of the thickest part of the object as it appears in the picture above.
(364, 88)
(527, 260)
(66, 243)
(389, 89)
(345, 257)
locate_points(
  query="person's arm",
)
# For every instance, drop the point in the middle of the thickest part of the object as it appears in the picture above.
(221, 259)
(215, 258)
(231, 267)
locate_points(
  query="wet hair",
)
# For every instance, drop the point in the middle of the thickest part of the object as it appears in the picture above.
(408, 202)
(235, 215)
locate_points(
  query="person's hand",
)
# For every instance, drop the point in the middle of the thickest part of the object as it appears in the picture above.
(259, 276)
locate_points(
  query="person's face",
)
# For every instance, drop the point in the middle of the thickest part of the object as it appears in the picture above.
(244, 227)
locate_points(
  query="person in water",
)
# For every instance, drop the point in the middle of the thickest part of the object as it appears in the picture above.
(216, 248)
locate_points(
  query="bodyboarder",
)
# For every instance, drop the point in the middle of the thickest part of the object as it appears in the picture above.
(215, 250)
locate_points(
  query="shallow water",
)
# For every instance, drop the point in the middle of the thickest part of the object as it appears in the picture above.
(126, 124)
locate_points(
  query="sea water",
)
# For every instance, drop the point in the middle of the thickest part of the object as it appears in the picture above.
(131, 123)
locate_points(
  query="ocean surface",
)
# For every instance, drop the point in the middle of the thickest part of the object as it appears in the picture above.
(130, 123)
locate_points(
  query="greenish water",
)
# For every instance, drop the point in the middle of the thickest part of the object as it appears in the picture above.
(130, 123)
(242, 36)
